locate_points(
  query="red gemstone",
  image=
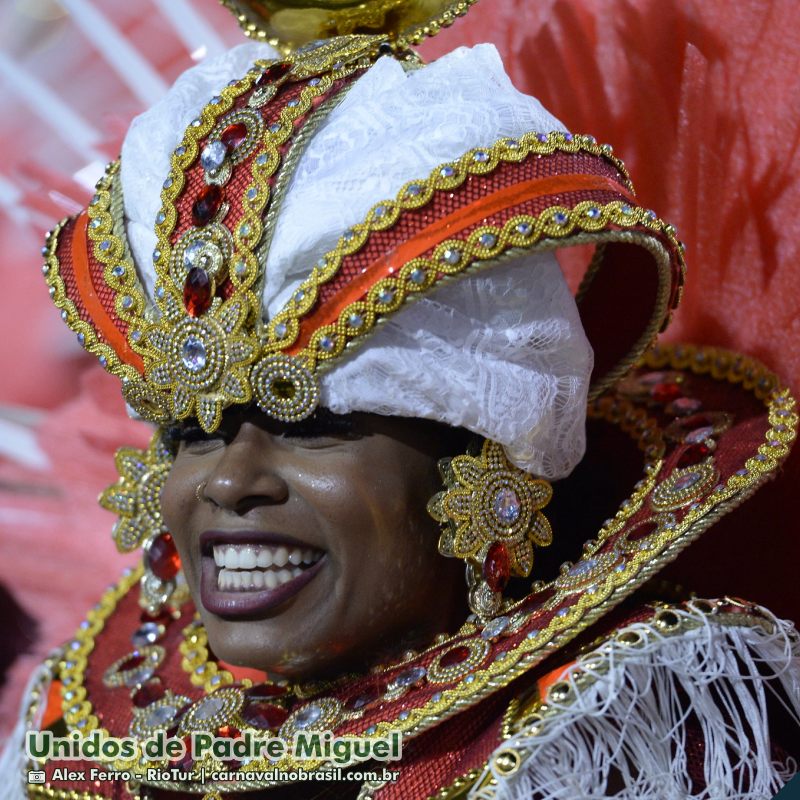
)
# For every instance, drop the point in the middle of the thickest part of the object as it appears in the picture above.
(134, 662)
(263, 715)
(693, 454)
(149, 693)
(364, 699)
(496, 567)
(229, 732)
(665, 392)
(206, 205)
(274, 72)
(163, 558)
(458, 655)
(233, 135)
(264, 691)
(197, 292)
(642, 531)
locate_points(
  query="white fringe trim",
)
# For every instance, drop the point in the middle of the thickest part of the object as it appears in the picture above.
(626, 720)
(13, 762)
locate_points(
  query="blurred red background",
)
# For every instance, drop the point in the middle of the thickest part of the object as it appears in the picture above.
(699, 97)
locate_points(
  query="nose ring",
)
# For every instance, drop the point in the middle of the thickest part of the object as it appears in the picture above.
(199, 492)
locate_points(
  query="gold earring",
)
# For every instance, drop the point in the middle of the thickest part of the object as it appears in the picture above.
(199, 492)
(490, 511)
(136, 499)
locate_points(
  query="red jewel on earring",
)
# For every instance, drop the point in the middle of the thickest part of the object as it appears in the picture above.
(497, 567)
(163, 558)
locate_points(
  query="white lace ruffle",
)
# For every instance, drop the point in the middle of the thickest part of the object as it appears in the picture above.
(501, 353)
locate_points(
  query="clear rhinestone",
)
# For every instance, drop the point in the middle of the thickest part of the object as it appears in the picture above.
(293, 103)
(355, 320)
(414, 190)
(52, 291)
(314, 82)
(495, 628)
(127, 301)
(299, 296)
(160, 292)
(119, 270)
(252, 193)
(215, 100)
(451, 256)
(506, 506)
(148, 633)
(196, 123)
(327, 343)
(244, 229)
(408, 678)
(261, 160)
(156, 256)
(103, 361)
(240, 268)
(64, 315)
(385, 296)
(105, 245)
(140, 676)
(274, 128)
(487, 240)
(209, 708)
(213, 156)
(524, 228)
(404, 715)
(280, 330)
(380, 211)
(308, 716)
(418, 276)
(160, 716)
(593, 212)
(160, 217)
(560, 218)
(81, 338)
(167, 183)
(95, 223)
(180, 150)
(447, 171)
(481, 156)
(193, 354)
(512, 144)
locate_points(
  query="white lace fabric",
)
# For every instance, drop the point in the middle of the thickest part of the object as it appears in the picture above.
(500, 352)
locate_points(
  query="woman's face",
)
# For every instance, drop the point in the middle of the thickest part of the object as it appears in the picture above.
(310, 549)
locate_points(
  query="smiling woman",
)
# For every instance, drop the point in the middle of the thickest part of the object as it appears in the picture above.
(329, 279)
(308, 544)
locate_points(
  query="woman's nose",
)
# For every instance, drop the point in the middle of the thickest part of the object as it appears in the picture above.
(247, 474)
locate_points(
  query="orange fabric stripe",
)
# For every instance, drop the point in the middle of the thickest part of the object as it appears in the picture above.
(53, 708)
(91, 302)
(444, 228)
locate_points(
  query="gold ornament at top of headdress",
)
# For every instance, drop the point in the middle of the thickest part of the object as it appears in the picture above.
(289, 24)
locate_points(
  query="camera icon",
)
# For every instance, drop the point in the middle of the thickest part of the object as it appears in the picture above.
(36, 776)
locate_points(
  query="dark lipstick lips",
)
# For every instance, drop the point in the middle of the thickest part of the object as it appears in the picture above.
(247, 603)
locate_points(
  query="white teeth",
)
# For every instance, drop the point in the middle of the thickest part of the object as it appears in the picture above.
(281, 557)
(254, 567)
